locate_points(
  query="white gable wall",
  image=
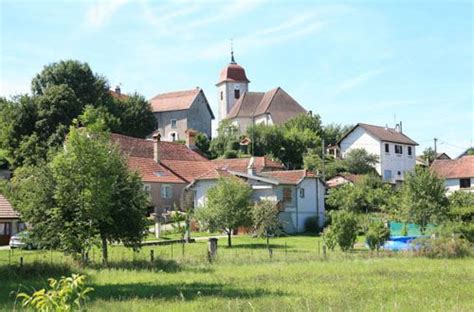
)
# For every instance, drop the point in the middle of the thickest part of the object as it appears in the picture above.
(359, 138)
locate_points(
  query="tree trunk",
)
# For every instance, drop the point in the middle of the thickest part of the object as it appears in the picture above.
(105, 256)
(229, 239)
(268, 242)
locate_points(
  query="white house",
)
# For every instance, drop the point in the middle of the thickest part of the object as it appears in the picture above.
(299, 193)
(458, 174)
(395, 150)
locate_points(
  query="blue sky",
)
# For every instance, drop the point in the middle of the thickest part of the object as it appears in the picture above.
(350, 61)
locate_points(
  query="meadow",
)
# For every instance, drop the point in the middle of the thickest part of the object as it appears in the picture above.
(298, 277)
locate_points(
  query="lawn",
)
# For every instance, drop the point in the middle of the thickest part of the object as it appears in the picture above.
(244, 278)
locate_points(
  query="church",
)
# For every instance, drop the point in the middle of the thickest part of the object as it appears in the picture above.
(244, 108)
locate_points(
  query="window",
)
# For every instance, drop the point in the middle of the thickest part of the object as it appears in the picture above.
(166, 191)
(222, 95)
(387, 148)
(236, 94)
(5, 228)
(409, 150)
(387, 175)
(399, 173)
(302, 192)
(147, 188)
(398, 149)
(173, 123)
(287, 196)
(465, 183)
(174, 136)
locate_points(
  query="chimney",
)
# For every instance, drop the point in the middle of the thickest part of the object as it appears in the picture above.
(397, 128)
(117, 89)
(310, 113)
(386, 127)
(401, 129)
(251, 169)
(191, 138)
(156, 146)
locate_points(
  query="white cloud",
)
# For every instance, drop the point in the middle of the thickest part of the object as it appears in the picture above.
(101, 12)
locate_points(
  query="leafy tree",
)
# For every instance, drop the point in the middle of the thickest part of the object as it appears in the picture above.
(359, 161)
(305, 122)
(266, 140)
(134, 115)
(343, 230)
(85, 192)
(203, 144)
(429, 155)
(460, 218)
(227, 206)
(334, 132)
(423, 198)
(377, 234)
(265, 219)
(331, 167)
(226, 132)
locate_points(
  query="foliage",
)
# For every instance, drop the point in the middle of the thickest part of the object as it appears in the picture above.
(311, 224)
(423, 199)
(460, 217)
(359, 161)
(66, 294)
(443, 247)
(343, 229)
(203, 144)
(429, 155)
(265, 219)
(330, 238)
(226, 132)
(334, 132)
(228, 154)
(377, 234)
(227, 206)
(85, 192)
(368, 194)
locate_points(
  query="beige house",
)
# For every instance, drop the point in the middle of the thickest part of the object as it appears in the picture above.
(175, 112)
(10, 223)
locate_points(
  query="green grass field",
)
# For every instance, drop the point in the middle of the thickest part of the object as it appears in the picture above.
(244, 278)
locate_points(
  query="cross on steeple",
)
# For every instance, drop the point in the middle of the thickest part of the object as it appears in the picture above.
(232, 59)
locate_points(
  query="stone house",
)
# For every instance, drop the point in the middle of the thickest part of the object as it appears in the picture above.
(175, 112)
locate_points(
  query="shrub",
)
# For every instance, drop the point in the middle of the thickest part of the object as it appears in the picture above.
(377, 234)
(343, 229)
(66, 294)
(230, 154)
(329, 238)
(443, 247)
(311, 224)
(233, 145)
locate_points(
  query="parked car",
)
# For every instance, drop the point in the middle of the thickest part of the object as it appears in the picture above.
(22, 240)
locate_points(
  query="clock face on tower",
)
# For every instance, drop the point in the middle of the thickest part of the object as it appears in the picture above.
(236, 87)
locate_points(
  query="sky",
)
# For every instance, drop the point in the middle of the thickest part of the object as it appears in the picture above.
(375, 62)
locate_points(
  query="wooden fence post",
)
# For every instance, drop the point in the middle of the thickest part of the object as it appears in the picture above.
(212, 249)
(152, 256)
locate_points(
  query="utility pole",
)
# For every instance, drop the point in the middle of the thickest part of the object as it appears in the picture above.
(435, 147)
(322, 156)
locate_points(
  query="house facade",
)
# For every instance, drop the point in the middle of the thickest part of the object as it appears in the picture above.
(298, 193)
(175, 112)
(10, 223)
(458, 174)
(395, 150)
(245, 108)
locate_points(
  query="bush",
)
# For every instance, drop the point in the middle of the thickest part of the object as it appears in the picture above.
(311, 224)
(233, 145)
(66, 294)
(230, 154)
(377, 234)
(443, 247)
(343, 229)
(330, 240)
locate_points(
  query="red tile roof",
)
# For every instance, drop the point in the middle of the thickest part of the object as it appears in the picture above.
(383, 134)
(454, 168)
(262, 163)
(119, 96)
(233, 72)
(6, 209)
(171, 101)
(213, 174)
(352, 178)
(151, 171)
(188, 170)
(288, 176)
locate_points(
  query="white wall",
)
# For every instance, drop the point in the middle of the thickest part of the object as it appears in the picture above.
(359, 138)
(225, 105)
(200, 188)
(452, 185)
(397, 162)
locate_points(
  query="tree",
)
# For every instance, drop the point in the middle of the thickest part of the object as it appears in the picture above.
(343, 230)
(333, 132)
(203, 144)
(359, 161)
(85, 192)
(266, 220)
(423, 198)
(460, 218)
(429, 155)
(226, 133)
(313, 162)
(377, 234)
(227, 206)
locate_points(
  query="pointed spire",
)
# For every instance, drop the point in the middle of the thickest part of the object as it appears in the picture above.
(232, 59)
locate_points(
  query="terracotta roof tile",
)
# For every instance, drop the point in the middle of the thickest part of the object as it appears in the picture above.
(233, 72)
(213, 174)
(188, 170)
(119, 96)
(151, 171)
(383, 134)
(6, 209)
(454, 168)
(288, 176)
(171, 101)
(262, 163)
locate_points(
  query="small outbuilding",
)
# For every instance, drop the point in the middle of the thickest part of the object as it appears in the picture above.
(10, 222)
